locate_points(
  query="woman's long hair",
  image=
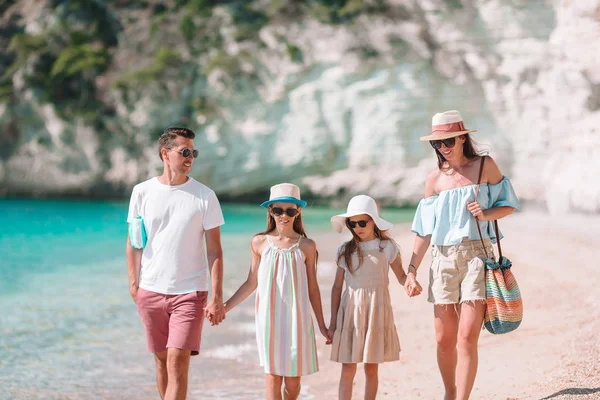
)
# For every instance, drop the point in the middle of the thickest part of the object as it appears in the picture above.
(353, 245)
(469, 151)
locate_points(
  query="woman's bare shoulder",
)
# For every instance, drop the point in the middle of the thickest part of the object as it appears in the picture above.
(431, 183)
(491, 171)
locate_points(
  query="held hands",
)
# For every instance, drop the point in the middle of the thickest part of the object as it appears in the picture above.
(411, 286)
(330, 332)
(475, 209)
(327, 333)
(215, 311)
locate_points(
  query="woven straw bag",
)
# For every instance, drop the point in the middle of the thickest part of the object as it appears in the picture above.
(504, 307)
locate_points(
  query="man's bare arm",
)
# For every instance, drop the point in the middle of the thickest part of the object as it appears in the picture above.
(134, 263)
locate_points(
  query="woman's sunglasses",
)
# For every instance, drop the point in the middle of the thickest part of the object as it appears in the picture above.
(437, 144)
(277, 211)
(361, 223)
(186, 152)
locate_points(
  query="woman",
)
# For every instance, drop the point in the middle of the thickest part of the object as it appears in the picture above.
(447, 220)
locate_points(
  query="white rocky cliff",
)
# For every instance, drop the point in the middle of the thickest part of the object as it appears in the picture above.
(348, 117)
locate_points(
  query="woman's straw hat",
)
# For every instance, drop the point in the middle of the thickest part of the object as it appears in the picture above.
(446, 125)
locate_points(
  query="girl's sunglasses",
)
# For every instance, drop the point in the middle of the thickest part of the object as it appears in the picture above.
(186, 152)
(437, 144)
(361, 223)
(277, 211)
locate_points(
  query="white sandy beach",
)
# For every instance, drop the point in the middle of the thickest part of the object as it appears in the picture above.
(554, 354)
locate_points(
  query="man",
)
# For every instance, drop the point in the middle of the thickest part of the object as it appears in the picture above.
(168, 278)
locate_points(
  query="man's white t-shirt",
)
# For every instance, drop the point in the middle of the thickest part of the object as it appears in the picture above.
(175, 217)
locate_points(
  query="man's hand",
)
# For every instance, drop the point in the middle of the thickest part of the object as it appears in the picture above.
(215, 311)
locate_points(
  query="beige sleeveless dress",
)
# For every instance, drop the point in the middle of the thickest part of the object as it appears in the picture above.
(365, 330)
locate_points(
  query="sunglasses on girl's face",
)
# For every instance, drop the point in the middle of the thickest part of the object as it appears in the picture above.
(449, 143)
(186, 153)
(277, 211)
(361, 223)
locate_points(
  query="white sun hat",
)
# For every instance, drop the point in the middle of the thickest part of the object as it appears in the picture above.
(285, 193)
(445, 125)
(358, 205)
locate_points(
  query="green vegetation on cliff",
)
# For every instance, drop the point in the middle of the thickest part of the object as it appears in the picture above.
(80, 49)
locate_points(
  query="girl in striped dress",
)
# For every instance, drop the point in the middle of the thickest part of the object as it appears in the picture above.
(284, 271)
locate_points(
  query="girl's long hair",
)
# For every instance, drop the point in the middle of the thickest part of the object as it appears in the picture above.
(271, 225)
(353, 245)
(469, 150)
(298, 227)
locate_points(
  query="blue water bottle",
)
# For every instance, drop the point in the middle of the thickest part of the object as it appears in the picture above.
(137, 233)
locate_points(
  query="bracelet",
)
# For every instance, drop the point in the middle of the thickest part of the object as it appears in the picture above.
(411, 265)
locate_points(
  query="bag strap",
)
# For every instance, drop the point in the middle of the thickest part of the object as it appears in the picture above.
(477, 221)
(498, 239)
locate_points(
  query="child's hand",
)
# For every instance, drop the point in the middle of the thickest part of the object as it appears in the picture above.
(330, 332)
(417, 289)
(325, 333)
(211, 318)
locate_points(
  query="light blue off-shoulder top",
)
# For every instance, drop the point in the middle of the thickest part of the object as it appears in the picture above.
(445, 216)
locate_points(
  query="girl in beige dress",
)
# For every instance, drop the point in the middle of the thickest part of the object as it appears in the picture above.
(362, 320)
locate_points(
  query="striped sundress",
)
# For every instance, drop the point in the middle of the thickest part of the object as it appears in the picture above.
(284, 329)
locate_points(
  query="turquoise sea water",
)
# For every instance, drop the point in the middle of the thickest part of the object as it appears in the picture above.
(68, 328)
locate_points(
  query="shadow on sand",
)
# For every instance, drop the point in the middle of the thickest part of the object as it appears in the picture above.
(573, 391)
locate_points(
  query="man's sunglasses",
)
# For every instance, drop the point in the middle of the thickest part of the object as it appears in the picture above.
(186, 152)
(277, 211)
(361, 223)
(437, 144)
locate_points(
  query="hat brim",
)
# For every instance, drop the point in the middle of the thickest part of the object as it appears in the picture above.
(285, 199)
(339, 221)
(447, 135)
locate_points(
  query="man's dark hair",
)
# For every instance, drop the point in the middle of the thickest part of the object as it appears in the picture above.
(170, 134)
